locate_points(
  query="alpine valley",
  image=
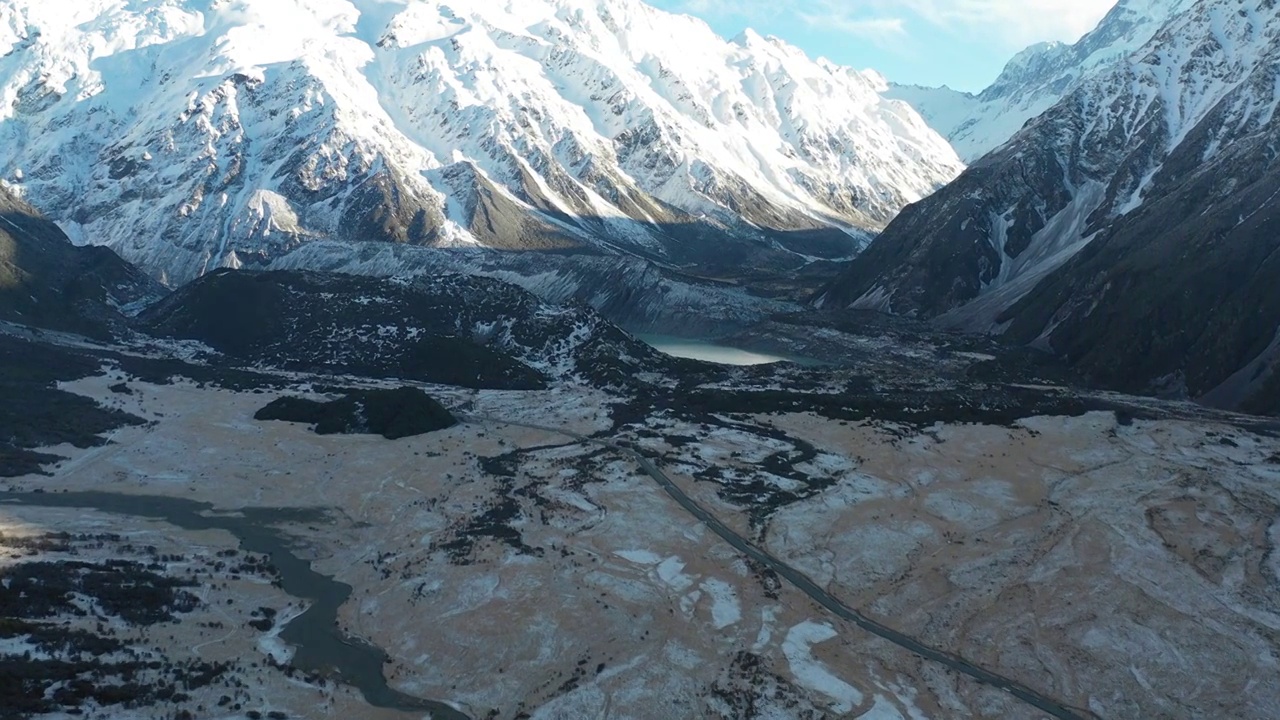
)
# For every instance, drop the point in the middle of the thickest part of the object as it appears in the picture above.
(339, 375)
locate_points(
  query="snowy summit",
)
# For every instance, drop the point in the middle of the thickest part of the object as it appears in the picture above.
(217, 133)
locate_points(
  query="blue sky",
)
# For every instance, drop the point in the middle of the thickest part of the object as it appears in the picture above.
(961, 43)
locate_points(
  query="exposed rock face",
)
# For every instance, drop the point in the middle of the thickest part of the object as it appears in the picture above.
(212, 135)
(1183, 292)
(1131, 227)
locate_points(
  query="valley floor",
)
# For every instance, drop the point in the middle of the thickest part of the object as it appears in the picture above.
(1125, 568)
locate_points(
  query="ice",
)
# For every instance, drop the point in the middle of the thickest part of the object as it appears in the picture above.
(671, 572)
(768, 616)
(639, 557)
(270, 643)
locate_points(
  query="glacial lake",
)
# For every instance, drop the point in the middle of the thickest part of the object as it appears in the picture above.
(711, 352)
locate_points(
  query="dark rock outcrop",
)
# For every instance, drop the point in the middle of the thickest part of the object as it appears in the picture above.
(47, 282)
(393, 414)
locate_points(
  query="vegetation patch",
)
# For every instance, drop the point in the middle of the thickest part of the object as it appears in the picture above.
(36, 414)
(53, 667)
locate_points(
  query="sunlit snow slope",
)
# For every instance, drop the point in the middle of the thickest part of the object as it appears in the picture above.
(194, 134)
(1036, 79)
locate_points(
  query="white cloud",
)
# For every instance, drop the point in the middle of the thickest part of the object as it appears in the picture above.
(1012, 23)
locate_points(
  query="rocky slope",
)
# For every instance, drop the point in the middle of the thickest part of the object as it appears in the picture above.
(1181, 294)
(452, 329)
(190, 135)
(1162, 171)
(1035, 79)
(637, 294)
(47, 282)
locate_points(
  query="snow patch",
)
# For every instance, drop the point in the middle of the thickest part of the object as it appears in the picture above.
(639, 557)
(812, 674)
(725, 608)
(671, 573)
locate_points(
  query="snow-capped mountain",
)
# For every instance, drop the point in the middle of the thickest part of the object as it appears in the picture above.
(1036, 79)
(193, 134)
(1135, 219)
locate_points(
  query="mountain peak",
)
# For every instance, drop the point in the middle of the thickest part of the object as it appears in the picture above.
(1036, 78)
(748, 37)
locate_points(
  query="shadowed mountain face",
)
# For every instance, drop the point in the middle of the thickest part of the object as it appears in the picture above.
(47, 282)
(547, 124)
(1183, 293)
(1130, 228)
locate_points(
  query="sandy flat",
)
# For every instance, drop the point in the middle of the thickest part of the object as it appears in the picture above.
(1122, 568)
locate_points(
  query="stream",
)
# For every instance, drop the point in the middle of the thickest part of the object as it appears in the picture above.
(319, 645)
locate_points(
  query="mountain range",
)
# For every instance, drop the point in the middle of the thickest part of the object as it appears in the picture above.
(381, 356)
(190, 135)
(1035, 79)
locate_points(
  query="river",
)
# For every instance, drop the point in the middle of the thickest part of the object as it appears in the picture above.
(320, 646)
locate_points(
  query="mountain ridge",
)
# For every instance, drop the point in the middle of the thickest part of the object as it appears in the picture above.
(554, 124)
(47, 282)
(1035, 79)
(1015, 241)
